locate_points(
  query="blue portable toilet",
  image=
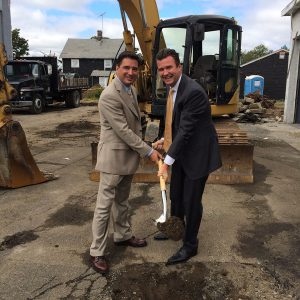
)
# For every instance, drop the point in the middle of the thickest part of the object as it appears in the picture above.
(254, 83)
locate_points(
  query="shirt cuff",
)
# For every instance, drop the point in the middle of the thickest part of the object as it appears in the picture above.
(169, 160)
(150, 152)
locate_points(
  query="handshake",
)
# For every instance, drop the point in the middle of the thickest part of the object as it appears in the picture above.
(156, 156)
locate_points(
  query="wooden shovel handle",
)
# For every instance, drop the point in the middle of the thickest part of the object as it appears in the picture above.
(161, 178)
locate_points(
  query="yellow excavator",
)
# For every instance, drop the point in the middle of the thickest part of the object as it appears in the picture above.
(209, 48)
(17, 166)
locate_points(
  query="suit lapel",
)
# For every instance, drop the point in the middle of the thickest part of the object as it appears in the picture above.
(129, 100)
(181, 88)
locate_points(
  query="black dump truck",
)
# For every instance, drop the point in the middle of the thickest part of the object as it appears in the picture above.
(38, 83)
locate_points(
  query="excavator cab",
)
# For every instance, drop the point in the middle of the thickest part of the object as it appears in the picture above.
(209, 50)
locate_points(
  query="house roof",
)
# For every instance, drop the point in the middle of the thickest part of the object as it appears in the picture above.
(91, 48)
(291, 8)
(100, 73)
(263, 57)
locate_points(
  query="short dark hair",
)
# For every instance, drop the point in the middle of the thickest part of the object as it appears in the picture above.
(127, 54)
(164, 53)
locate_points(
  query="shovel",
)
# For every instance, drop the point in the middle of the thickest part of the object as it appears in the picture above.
(173, 227)
(163, 216)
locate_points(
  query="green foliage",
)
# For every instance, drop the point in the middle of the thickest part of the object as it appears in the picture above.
(20, 45)
(257, 52)
(285, 47)
(93, 93)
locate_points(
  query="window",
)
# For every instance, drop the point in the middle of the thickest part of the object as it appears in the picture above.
(211, 43)
(281, 55)
(174, 38)
(107, 64)
(35, 70)
(103, 81)
(9, 70)
(74, 63)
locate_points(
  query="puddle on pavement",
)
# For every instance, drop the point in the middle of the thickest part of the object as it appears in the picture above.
(71, 127)
(69, 214)
(144, 198)
(18, 238)
(75, 126)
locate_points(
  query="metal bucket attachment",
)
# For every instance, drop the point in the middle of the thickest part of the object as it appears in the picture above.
(17, 166)
(236, 152)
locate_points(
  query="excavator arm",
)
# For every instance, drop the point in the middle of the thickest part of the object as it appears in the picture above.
(143, 16)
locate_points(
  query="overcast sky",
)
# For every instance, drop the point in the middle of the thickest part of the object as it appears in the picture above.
(47, 24)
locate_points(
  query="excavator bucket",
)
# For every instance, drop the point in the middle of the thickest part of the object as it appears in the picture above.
(236, 153)
(17, 166)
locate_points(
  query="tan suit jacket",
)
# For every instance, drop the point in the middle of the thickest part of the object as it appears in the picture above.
(121, 145)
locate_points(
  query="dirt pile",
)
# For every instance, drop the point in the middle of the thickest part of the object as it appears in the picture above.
(173, 228)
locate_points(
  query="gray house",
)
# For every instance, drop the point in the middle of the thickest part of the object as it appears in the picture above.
(5, 27)
(292, 95)
(93, 58)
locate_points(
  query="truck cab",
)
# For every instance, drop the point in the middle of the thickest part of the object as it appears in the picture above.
(31, 81)
(39, 83)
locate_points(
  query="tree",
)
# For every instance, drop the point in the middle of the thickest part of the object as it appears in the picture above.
(257, 52)
(284, 47)
(20, 45)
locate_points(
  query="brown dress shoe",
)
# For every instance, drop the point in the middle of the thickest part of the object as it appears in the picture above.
(99, 264)
(132, 242)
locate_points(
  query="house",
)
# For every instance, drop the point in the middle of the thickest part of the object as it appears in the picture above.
(292, 96)
(273, 67)
(93, 58)
(5, 27)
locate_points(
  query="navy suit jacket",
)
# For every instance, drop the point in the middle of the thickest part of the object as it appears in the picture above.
(195, 141)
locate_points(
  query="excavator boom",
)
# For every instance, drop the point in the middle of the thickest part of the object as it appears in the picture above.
(143, 16)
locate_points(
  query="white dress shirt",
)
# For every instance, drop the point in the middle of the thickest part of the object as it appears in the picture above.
(168, 159)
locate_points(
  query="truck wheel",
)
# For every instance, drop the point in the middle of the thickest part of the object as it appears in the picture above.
(74, 100)
(37, 104)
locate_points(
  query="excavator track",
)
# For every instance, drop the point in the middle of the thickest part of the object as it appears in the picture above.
(236, 152)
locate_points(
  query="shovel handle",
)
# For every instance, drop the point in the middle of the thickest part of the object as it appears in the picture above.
(161, 178)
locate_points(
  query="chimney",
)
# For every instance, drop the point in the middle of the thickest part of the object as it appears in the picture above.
(99, 35)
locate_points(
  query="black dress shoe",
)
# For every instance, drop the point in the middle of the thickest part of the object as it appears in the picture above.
(183, 254)
(161, 237)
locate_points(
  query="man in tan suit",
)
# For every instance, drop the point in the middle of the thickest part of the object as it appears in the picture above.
(119, 151)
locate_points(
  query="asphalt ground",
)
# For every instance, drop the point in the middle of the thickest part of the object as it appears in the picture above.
(249, 240)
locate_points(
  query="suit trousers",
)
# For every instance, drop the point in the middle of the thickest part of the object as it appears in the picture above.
(186, 202)
(112, 197)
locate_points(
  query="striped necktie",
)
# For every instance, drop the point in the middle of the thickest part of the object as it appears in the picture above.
(168, 121)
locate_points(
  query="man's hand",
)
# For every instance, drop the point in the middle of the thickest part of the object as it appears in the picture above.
(158, 145)
(155, 156)
(163, 171)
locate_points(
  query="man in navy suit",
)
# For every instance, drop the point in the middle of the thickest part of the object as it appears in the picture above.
(193, 153)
